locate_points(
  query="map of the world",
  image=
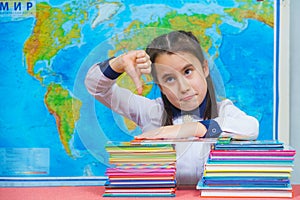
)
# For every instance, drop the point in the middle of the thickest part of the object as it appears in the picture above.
(51, 126)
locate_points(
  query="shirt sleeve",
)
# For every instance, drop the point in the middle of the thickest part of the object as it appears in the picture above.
(100, 82)
(107, 70)
(213, 128)
(236, 123)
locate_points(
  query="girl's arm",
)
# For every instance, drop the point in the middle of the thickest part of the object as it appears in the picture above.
(231, 122)
(186, 130)
(203, 129)
(236, 123)
(100, 82)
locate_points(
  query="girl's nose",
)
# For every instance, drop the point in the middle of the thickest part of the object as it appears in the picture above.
(184, 85)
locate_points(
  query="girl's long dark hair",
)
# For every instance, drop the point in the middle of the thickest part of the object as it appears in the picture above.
(174, 42)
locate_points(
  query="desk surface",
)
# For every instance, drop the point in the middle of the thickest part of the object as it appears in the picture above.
(95, 193)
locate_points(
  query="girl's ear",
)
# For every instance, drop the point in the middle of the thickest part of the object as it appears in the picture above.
(205, 68)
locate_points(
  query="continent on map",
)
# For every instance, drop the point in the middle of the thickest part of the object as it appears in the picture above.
(65, 109)
(56, 29)
(48, 37)
(262, 12)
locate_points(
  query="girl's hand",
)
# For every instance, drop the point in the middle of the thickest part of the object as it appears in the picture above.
(134, 63)
(186, 130)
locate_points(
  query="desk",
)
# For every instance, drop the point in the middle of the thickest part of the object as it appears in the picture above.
(95, 193)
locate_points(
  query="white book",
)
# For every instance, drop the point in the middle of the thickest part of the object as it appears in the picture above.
(246, 193)
(235, 167)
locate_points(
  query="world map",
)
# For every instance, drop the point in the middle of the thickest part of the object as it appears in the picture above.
(51, 126)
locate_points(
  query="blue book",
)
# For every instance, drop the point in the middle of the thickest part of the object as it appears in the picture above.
(246, 181)
(201, 185)
(139, 195)
(247, 145)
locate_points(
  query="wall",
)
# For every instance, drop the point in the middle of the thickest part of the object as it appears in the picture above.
(294, 85)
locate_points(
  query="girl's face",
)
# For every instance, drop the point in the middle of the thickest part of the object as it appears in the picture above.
(182, 78)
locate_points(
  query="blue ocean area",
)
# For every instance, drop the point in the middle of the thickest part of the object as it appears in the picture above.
(225, 3)
(229, 29)
(172, 3)
(247, 58)
(25, 120)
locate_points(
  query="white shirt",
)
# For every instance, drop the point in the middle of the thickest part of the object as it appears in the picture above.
(147, 113)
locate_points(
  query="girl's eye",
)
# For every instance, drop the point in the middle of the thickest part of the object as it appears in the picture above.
(170, 79)
(188, 72)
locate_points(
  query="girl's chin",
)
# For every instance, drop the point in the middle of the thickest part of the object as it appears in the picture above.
(188, 108)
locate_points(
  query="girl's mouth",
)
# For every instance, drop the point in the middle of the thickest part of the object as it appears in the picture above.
(187, 98)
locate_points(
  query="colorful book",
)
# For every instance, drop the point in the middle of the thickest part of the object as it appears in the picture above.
(282, 152)
(140, 190)
(249, 167)
(247, 182)
(140, 183)
(248, 145)
(152, 194)
(243, 174)
(203, 185)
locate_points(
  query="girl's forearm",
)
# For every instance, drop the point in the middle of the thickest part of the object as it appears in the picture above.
(186, 130)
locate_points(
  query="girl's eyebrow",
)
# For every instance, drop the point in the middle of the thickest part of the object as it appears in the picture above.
(166, 76)
(186, 66)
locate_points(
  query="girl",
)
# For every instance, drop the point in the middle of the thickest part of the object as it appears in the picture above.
(187, 107)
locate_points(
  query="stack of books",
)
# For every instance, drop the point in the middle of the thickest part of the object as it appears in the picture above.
(248, 169)
(141, 170)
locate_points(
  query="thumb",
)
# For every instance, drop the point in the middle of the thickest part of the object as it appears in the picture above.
(135, 76)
